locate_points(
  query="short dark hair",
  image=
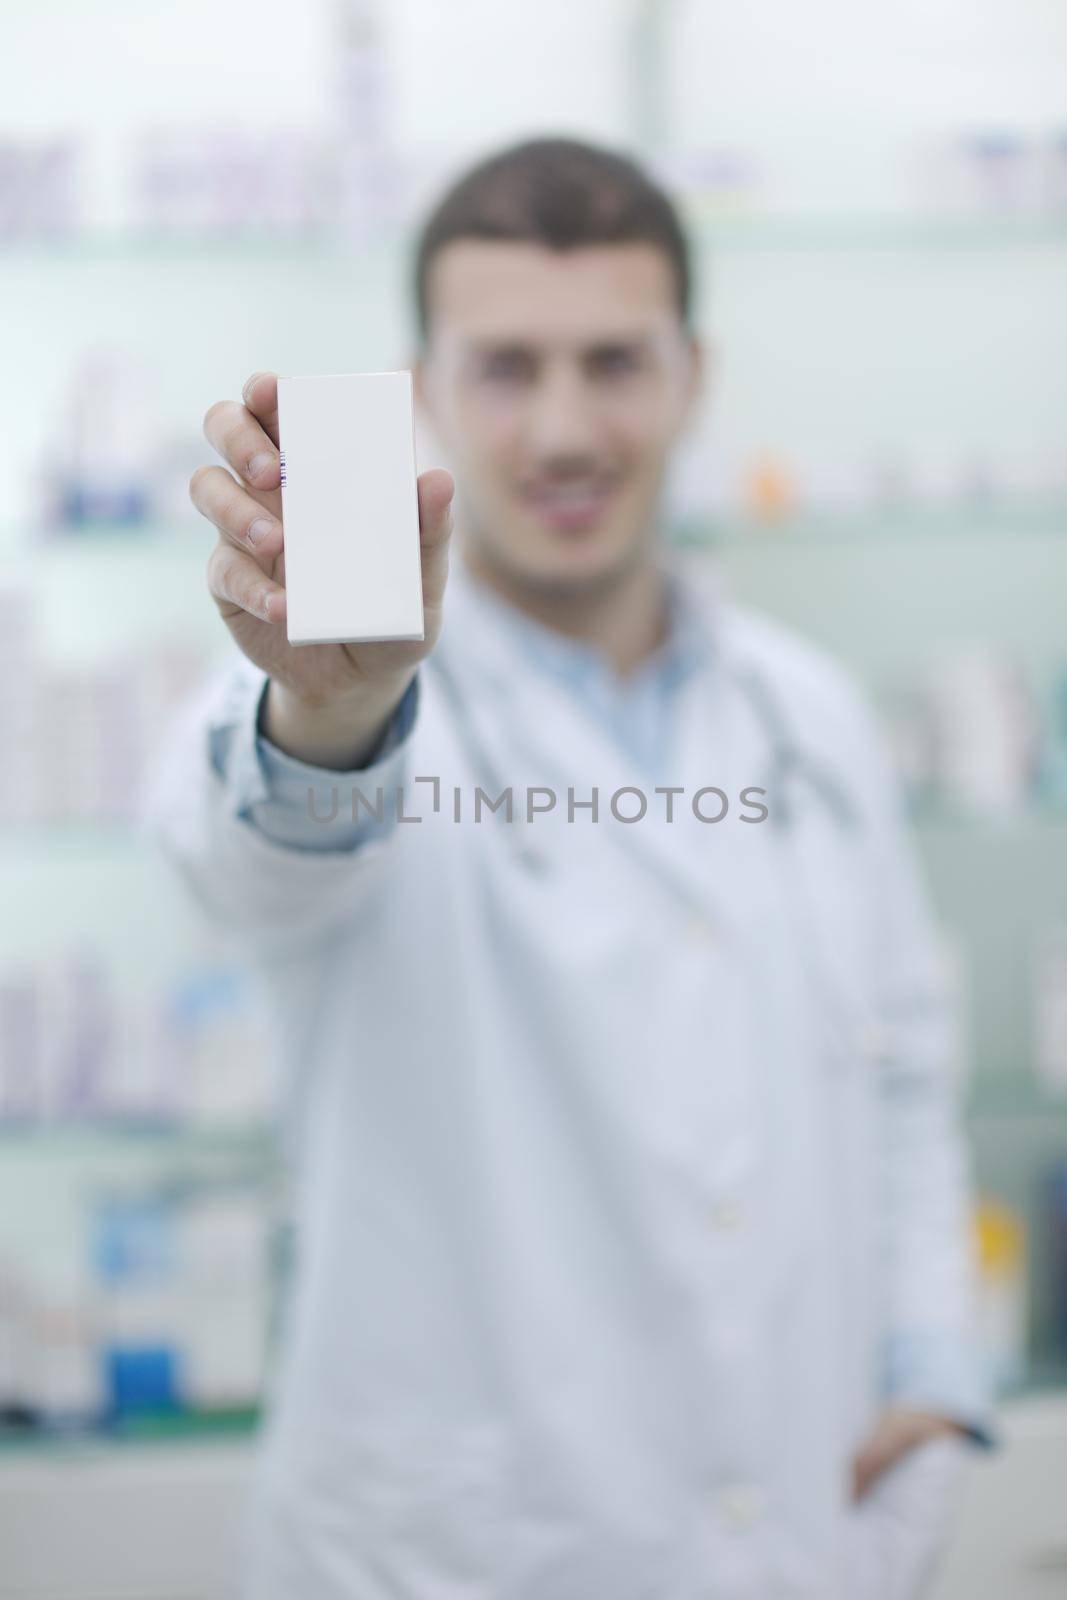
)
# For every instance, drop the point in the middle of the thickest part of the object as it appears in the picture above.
(563, 193)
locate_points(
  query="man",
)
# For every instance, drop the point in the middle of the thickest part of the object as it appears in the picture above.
(632, 1210)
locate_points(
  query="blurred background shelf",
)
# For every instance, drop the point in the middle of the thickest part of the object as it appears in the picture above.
(171, 1140)
(877, 232)
(787, 232)
(983, 829)
(179, 1428)
(28, 550)
(872, 531)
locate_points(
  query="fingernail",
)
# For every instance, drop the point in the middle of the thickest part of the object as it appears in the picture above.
(260, 529)
(249, 386)
(262, 464)
(266, 604)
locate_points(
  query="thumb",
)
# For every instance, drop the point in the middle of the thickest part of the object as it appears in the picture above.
(436, 489)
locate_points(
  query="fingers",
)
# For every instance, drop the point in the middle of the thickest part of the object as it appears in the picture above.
(240, 518)
(896, 1432)
(236, 583)
(240, 439)
(882, 1447)
(868, 1466)
(260, 395)
(436, 489)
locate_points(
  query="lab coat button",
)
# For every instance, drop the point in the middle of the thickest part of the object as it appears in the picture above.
(727, 1213)
(872, 1038)
(741, 1506)
(701, 930)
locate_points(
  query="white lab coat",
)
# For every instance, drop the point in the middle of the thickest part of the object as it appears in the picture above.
(622, 1150)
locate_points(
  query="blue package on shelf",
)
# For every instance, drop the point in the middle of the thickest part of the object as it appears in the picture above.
(84, 507)
(141, 1379)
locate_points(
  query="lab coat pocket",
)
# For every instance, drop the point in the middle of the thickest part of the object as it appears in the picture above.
(895, 1538)
(401, 1507)
(432, 1499)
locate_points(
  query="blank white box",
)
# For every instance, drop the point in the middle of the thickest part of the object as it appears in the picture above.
(353, 570)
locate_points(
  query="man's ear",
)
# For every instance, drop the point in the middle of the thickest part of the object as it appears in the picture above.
(695, 384)
(420, 382)
(424, 392)
(700, 370)
(424, 383)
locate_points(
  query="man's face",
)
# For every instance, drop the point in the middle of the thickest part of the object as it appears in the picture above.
(558, 382)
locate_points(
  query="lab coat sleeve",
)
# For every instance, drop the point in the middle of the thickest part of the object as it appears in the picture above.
(233, 814)
(298, 800)
(931, 1356)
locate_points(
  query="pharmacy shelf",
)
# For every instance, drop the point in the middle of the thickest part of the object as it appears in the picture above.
(85, 1445)
(888, 608)
(997, 890)
(1015, 1155)
(738, 230)
(866, 530)
(72, 1139)
(1040, 822)
(28, 553)
(116, 590)
(1045, 1376)
(26, 549)
(982, 826)
(1005, 1109)
(899, 231)
(100, 839)
(97, 841)
(144, 248)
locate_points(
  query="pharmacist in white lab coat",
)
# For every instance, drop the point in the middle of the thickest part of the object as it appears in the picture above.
(632, 1205)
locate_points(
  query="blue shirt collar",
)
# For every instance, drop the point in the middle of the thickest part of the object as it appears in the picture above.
(577, 662)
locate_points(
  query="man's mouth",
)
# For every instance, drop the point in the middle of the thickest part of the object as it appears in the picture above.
(572, 506)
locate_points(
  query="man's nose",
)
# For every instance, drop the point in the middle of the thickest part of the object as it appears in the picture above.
(563, 414)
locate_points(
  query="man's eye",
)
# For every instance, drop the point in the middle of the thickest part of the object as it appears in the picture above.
(506, 367)
(615, 363)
